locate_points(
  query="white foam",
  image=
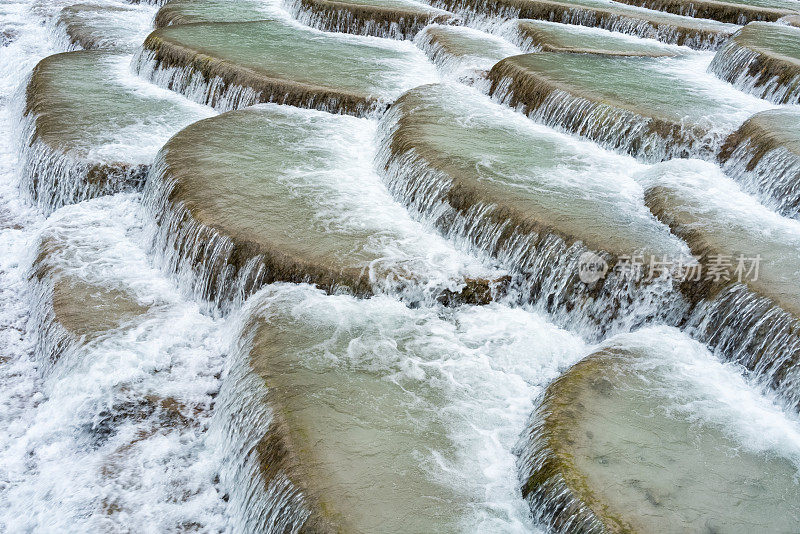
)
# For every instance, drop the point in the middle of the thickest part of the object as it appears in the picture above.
(19, 382)
(735, 106)
(475, 371)
(712, 393)
(484, 366)
(470, 65)
(140, 141)
(339, 193)
(125, 29)
(93, 437)
(51, 478)
(721, 200)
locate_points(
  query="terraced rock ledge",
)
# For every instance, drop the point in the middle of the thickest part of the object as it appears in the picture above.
(617, 442)
(275, 193)
(98, 26)
(752, 308)
(763, 155)
(326, 442)
(394, 19)
(734, 12)
(462, 51)
(672, 29)
(630, 104)
(538, 35)
(177, 12)
(764, 60)
(75, 305)
(96, 301)
(73, 310)
(366, 415)
(491, 179)
(233, 65)
(80, 108)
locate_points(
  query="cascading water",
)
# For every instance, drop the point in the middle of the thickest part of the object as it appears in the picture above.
(463, 53)
(108, 416)
(72, 148)
(233, 65)
(762, 59)
(425, 420)
(164, 367)
(763, 156)
(683, 113)
(126, 398)
(612, 16)
(437, 167)
(592, 457)
(108, 26)
(391, 20)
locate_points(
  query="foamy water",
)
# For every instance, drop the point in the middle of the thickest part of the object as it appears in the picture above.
(64, 466)
(124, 432)
(471, 373)
(706, 391)
(118, 427)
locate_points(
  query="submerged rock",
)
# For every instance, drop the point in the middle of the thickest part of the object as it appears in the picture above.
(103, 26)
(762, 59)
(72, 308)
(92, 128)
(732, 11)
(537, 200)
(644, 436)
(8, 35)
(750, 257)
(350, 415)
(609, 15)
(639, 105)
(396, 19)
(130, 368)
(763, 155)
(790, 20)
(340, 449)
(232, 65)
(275, 193)
(192, 11)
(538, 35)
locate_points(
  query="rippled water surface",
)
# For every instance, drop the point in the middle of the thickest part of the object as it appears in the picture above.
(168, 365)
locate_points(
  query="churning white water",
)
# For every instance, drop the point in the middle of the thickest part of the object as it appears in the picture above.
(111, 436)
(149, 423)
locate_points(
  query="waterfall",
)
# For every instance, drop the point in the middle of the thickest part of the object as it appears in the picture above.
(752, 331)
(361, 348)
(258, 461)
(544, 261)
(601, 433)
(208, 261)
(762, 158)
(389, 22)
(649, 138)
(127, 372)
(461, 52)
(54, 177)
(225, 88)
(758, 69)
(607, 18)
(724, 12)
